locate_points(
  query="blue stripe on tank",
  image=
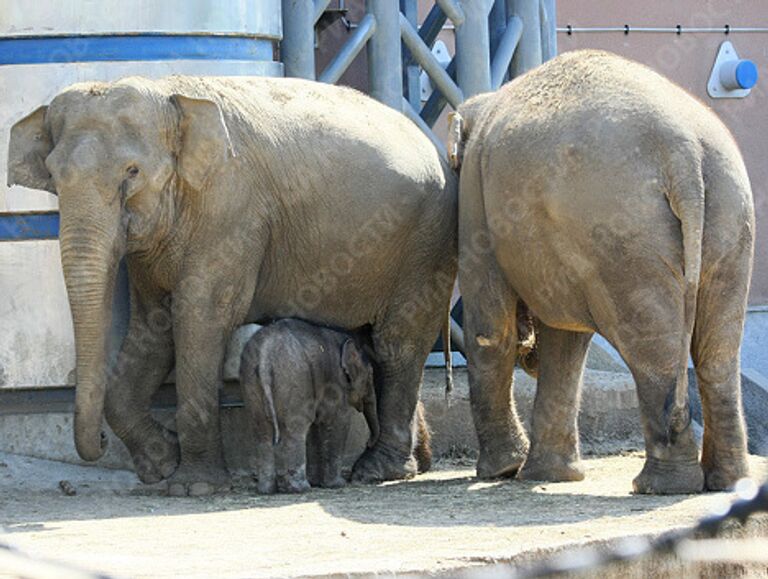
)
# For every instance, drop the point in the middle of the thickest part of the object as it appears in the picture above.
(32, 225)
(141, 47)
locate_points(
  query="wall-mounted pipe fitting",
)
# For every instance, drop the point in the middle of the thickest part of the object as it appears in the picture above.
(731, 77)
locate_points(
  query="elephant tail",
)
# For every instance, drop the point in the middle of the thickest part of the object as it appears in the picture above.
(266, 381)
(447, 354)
(686, 200)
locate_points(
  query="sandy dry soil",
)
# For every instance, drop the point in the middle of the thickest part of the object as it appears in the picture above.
(439, 521)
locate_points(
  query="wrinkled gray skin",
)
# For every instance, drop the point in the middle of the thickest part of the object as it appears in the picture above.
(237, 200)
(294, 376)
(608, 200)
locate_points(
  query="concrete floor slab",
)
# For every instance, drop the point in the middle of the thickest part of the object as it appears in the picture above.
(438, 523)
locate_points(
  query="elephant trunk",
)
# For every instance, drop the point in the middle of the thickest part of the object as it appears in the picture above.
(90, 257)
(371, 417)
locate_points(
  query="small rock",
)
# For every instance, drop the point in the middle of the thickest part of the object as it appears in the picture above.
(67, 488)
(3, 465)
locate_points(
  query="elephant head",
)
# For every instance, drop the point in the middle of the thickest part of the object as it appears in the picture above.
(121, 157)
(361, 393)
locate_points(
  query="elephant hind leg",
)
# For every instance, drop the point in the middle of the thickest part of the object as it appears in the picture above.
(402, 340)
(554, 453)
(672, 462)
(490, 334)
(716, 352)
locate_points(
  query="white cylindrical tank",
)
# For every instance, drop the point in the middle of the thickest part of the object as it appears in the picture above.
(46, 46)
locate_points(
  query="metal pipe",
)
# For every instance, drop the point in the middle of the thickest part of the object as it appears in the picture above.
(436, 102)
(453, 10)
(627, 29)
(320, 7)
(297, 49)
(385, 69)
(432, 25)
(505, 51)
(473, 67)
(428, 62)
(528, 53)
(411, 74)
(548, 17)
(457, 338)
(350, 50)
(411, 113)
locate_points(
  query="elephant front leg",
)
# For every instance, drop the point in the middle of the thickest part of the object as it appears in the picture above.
(554, 453)
(200, 347)
(332, 436)
(144, 361)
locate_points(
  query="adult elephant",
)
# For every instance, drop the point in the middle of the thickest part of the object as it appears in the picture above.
(608, 200)
(237, 200)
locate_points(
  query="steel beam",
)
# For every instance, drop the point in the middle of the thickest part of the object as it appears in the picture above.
(320, 6)
(409, 112)
(352, 47)
(473, 66)
(432, 25)
(385, 67)
(528, 53)
(548, 16)
(505, 51)
(297, 49)
(429, 63)
(453, 10)
(436, 102)
(412, 74)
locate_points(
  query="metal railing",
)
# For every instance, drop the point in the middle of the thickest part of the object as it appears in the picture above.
(495, 40)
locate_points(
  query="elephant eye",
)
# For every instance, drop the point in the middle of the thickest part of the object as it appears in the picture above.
(132, 171)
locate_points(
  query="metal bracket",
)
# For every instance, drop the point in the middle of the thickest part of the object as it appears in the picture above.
(731, 76)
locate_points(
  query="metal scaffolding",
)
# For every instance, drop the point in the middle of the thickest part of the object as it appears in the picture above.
(495, 40)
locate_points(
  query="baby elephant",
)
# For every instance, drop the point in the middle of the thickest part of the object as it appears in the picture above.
(296, 376)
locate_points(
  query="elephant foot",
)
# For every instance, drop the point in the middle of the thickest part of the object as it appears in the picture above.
(724, 478)
(669, 478)
(199, 481)
(500, 463)
(266, 485)
(157, 456)
(334, 483)
(382, 463)
(552, 468)
(292, 483)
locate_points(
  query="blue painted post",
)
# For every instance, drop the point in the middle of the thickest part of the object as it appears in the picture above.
(528, 53)
(297, 49)
(385, 68)
(473, 67)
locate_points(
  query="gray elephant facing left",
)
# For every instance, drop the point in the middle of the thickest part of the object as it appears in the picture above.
(238, 200)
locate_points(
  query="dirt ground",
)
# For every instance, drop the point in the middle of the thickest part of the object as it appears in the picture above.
(440, 521)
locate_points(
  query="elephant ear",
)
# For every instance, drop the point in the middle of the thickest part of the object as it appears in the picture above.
(29, 146)
(204, 143)
(352, 361)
